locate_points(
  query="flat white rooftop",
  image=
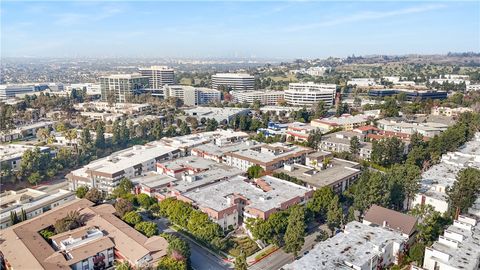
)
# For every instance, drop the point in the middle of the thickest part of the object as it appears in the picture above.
(16, 151)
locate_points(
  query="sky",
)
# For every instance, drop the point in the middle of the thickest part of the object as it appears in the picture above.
(267, 29)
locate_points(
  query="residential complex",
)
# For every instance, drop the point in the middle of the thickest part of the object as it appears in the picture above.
(340, 142)
(122, 87)
(158, 76)
(102, 240)
(268, 156)
(192, 96)
(231, 202)
(264, 97)
(233, 81)
(359, 246)
(106, 173)
(457, 249)
(300, 132)
(427, 129)
(221, 115)
(24, 131)
(30, 201)
(11, 154)
(308, 94)
(321, 170)
(344, 122)
(393, 220)
(439, 177)
(451, 112)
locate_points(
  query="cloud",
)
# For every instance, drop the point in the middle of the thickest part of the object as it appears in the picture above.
(366, 16)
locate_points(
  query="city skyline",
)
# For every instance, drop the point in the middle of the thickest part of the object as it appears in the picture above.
(287, 29)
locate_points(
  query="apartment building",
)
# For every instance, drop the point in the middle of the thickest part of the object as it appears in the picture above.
(232, 201)
(340, 142)
(299, 132)
(192, 96)
(264, 97)
(233, 81)
(393, 220)
(436, 180)
(273, 129)
(158, 76)
(337, 173)
(221, 115)
(268, 156)
(217, 153)
(23, 131)
(457, 249)
(308, 94)
(344, 122)
(121, 87)
(427, 129)
(101, 241)
(106, 173)
(473, 87)
(450, 112)
(359, 246)
(11, 154)
(31, 201)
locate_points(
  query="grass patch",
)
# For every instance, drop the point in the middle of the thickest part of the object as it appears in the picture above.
(245, 243)
(288, 78)
(265, 253)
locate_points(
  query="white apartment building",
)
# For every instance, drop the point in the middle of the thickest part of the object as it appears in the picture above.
(24, 131)
(439, 177)
(428, 129)
(451, 112)
(11, 90)
(122, 108)
(340, 142)
(265, 97)
(308, 94)
(473, 87)
(233, 81)
(33, 202)
(11, 154)
(362, 82)
(122, 87)
(106, 173)
(192, 96)
(158, 76)
(457, 249)
(359, 246)
(221, 115)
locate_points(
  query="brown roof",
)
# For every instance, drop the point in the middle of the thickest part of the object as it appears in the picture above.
(24, 248)
(393, 219)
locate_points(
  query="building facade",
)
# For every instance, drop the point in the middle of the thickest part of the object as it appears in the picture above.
(158, 76)
(308, 94)
(265, 97)
(121, 87)
(233, 81)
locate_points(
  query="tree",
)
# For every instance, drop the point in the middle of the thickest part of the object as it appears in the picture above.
(177, 247)
(122, 206)
(124, 187)
(132, 218)
(254, 171)
(72, 221)
(147, 228)
(169, 263)
(387, 151)
(370, 189)
(145, 201)
(94, 195)
(184, 129)
(211, 125)
(125, 265)
(14, 217)
(320, 110)
(416, 253)
(34, 178)
(318, 205)
(465, 190)
(43, 134)
(86, 140)
(295, 233)
(355, 145)
(81, 191)
(334, 214)
(314, 139)
(241, 262)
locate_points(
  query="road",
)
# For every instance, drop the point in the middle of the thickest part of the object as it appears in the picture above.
(201, 258)
(279, 258)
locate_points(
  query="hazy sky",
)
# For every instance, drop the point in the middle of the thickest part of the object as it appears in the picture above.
(288, 29)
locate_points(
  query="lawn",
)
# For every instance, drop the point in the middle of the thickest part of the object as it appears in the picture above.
(245, 243)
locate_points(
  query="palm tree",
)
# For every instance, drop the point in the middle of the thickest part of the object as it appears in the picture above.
(71, 135)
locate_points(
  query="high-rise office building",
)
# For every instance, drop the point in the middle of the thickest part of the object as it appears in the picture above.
(121, 87)
(158, 76)
(192, 95)
(300, 94)
(233, 81)
(10, 90)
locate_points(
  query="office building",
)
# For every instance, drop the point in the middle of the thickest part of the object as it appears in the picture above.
(362, 82)
(192, 96)
(309, 94)
(457, 249)
(233, 81)
(268, 156)
(105, 173)
(121, 87)
(411, 95)
(30, 201)
(359, 246)
(102, 240)
(264, 97)
(230, 201)
(11, 90)
(158, 76)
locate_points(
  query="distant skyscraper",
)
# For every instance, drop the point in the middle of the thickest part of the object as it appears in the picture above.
(121, 87)
(233, 81)
(158, 76)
